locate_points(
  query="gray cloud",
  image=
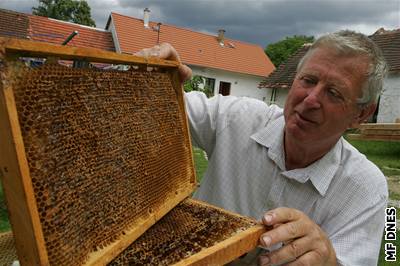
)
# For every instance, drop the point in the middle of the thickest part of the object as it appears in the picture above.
(254, 21)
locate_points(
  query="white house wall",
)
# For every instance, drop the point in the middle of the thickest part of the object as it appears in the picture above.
(241, 84)
(111, 28)
(280, 97)
(389, 104)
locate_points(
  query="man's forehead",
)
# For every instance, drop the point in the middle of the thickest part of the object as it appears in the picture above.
(324, 59)
(331, 54)
(315, 73)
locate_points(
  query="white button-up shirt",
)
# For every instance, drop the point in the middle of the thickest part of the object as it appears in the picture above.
(343, 192)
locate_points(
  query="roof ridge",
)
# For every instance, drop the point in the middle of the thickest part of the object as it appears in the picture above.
(12, 11)
(382, 31)
(190, 30)
(70, 23)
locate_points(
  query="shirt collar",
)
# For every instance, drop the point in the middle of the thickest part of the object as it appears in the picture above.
(320, 173)
(271, 136)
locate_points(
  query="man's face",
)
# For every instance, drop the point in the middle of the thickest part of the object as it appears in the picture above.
(321, 103)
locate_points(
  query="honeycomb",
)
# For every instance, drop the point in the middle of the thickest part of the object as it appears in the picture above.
(104, 149)
(187, 229)
(8, 253)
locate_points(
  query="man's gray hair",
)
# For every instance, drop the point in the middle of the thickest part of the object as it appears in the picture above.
(356, 44)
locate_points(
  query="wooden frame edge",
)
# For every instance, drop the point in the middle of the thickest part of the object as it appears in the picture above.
(16, 175)
(181, 99)
(29, 48)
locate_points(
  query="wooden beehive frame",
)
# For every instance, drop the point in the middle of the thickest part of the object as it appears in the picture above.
(15, 174)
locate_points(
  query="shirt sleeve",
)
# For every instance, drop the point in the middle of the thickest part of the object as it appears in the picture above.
(207, 117)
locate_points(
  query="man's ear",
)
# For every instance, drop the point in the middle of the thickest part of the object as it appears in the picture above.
(363, 114)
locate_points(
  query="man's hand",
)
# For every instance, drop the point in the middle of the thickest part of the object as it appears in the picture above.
(304, 242)
(166, 51)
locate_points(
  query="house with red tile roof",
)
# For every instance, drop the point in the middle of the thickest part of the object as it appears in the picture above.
(279, 82)
(43, 29)
(229, 66)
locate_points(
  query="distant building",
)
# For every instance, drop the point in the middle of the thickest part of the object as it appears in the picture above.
(230, 67)
(389, 102)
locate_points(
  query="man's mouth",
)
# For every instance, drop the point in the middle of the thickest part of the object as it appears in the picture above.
(305, 119)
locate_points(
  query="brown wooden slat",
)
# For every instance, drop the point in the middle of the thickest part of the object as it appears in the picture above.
(370, 131)
(39, 49)
(374, 137)
(380, 126)
(17, 183)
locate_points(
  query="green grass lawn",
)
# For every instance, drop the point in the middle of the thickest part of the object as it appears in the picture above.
(385, 154)
(4, 224)
(396, 242)
(200, 163)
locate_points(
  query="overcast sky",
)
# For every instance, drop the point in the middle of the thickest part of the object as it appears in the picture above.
(255, 21)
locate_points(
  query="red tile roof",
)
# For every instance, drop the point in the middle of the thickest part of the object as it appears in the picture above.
(13, 24)
(56, 31)
(193, 47)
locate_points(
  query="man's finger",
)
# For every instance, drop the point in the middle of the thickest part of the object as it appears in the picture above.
(290, 251)
(309, 258)
(283, 233)
(281, 215)
(185, 73)
(149, 52)
(167, 51)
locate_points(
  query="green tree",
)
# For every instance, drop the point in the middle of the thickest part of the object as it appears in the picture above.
(280, 51)
(66, 10)
(196, 83)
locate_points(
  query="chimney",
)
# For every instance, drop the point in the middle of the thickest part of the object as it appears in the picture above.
(146, 17)
(220, 37)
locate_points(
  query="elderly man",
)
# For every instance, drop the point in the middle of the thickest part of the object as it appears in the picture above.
(292, 167)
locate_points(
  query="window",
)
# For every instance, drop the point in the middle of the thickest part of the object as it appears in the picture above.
(224, 88)
(210, 83)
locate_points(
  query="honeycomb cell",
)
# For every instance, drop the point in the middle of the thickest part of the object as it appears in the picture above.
(7, 248)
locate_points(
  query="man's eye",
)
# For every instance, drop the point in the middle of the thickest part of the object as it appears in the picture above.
(308, 81)
(335, 94)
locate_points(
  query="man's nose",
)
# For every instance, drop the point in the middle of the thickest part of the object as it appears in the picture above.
(314, 97)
